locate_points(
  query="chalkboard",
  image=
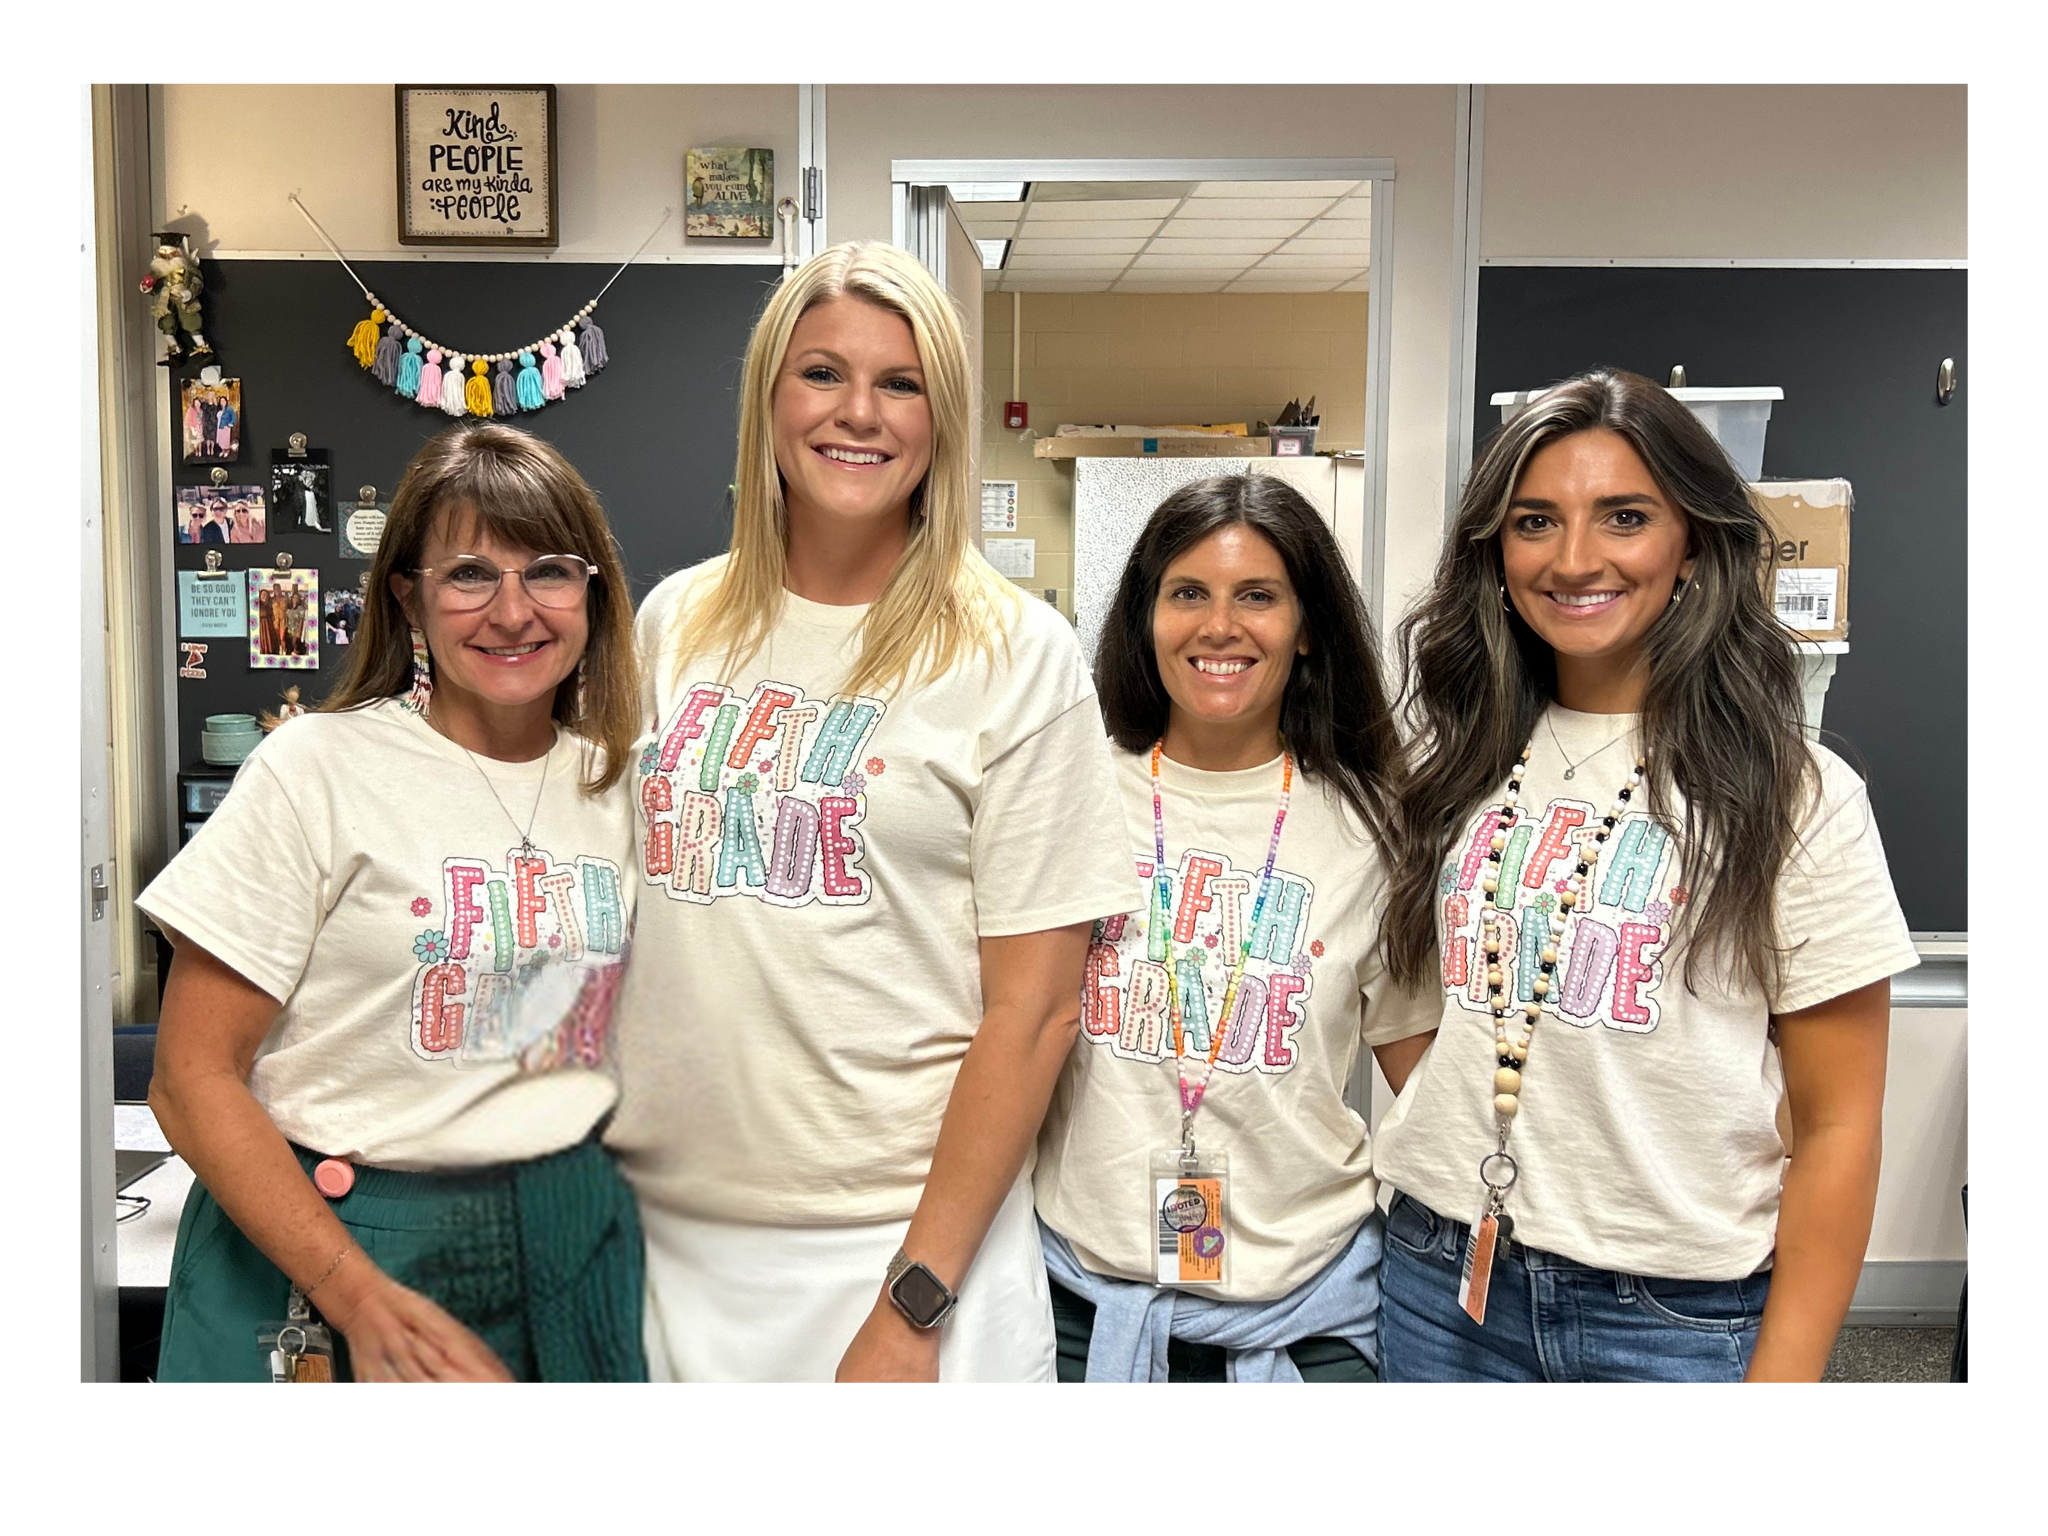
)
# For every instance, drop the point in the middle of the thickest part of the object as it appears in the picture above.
(653, 433)
(1856, 351)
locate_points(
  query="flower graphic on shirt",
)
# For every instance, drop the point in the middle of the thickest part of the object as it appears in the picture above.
(1680, 895)
(431, 947)
(1210, 941)
(764, 765)
(554, 941)
(852, 785)
(1658, 912)
(1315, 948)
(1448, 881)
(1562, 886)
(421, 906)
(875, 766)
(1302, 964)
(746, 783)
(649, 758)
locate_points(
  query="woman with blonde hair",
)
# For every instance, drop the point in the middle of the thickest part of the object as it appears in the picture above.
(878, 817)
(383, 1047)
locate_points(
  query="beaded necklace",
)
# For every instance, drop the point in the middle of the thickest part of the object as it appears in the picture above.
(1497, 1170)
(1191, 1096)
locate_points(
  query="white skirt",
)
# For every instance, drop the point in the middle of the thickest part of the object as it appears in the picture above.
(733, 1301)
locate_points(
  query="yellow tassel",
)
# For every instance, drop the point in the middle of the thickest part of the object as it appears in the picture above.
(476, 394)
(363, 339)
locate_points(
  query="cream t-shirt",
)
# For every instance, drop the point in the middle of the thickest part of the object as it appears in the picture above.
(1301, 1172)
(817, 873)
(1647, 1134)
(446, 999)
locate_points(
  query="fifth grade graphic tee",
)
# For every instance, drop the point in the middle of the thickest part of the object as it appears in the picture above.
(816, 871)
(1647, 1134)
(446, 997)
(1301, 1176)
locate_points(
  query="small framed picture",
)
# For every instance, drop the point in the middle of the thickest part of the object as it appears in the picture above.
(210, 415)
(284, 619)
(476, 165)
(299, 498)
(220, 514)
(731, 194)
(342, 615)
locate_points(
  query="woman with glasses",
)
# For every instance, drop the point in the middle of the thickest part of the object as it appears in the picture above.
(385, 1038)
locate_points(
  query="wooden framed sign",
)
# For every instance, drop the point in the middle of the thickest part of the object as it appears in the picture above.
(476, 165)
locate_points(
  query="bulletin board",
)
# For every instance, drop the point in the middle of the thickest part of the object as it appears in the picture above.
(653, 433)
(1857, 351)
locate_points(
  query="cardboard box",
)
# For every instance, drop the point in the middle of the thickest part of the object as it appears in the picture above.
(1810, 588)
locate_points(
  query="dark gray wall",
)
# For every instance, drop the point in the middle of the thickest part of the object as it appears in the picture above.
(653, 433)
(1856, 351)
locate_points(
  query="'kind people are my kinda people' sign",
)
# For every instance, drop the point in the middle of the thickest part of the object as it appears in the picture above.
(476, 165)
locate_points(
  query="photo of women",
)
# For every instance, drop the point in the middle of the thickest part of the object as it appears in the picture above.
(284, 619)
(220, 514)
(211, 421)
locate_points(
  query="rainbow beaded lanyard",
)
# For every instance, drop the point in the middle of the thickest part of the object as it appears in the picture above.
(1191, 1095)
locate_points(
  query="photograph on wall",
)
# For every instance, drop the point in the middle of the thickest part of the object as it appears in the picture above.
(476, 165)
(731, 194)
(298, 496)
(362, 525)
(211, 413)
(343, 615)
(284, 619)
(220, 514)
(212, 603)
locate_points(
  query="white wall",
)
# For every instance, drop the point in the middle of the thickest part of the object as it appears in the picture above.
(232, 152)
(1876, 171)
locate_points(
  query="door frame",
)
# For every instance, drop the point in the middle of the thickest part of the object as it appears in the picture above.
(1379, 171)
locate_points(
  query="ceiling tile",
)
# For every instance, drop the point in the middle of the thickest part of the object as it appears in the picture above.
(1105, 191)
(1231, 229)
(1036, 241)
(1337, 260)
(1303, 283)
(975, 213)
(1091, 229)
(1156, 260)
(1338, 229)
(1254, 208)
(1021, 259)
(1136, 208)
(1231, 246)
(1000, 229)
(1266, 190)
(1170, 285)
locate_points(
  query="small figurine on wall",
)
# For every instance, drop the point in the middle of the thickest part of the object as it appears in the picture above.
(289, 709)
(174, 285)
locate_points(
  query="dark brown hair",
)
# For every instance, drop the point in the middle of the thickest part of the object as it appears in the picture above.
(1720, 715)
(522, 492)
(1335, 715)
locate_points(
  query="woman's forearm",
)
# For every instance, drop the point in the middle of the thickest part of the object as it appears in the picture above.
(999, 1097)
(213, 1121)
(1824, 1218)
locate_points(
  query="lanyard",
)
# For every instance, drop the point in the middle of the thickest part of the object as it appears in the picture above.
(1191, 1095)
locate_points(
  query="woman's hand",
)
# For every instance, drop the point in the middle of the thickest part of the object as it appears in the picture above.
(396, 1334)
(887, 1348)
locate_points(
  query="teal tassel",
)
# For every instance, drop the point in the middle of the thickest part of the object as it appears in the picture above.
(531, 394)
(409, 368)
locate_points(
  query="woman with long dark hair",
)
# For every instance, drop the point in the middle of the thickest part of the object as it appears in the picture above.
(1656, 909)
(1206, 1195)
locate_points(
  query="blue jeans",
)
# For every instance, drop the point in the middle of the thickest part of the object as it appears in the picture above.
(1550, 1318)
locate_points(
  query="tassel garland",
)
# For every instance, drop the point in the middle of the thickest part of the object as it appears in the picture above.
(530, 394)
(463, 384)
(409, 369)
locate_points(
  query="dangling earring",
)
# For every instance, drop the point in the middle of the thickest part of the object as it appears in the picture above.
(1506, 606)
(1678, 591)
(422, 692)
(582, 694)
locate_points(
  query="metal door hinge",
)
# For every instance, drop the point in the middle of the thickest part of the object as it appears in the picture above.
(814, 192)
(99, 892)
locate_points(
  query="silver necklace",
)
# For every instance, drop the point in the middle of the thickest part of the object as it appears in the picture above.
(1571, 768)
(525, 836)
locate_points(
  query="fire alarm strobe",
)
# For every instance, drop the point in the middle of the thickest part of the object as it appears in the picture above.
(1016, 414)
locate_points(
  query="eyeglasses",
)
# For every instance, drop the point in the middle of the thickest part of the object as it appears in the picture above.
(464, 582)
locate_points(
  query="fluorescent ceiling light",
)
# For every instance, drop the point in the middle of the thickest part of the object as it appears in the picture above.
(992, 252)
(986, 191)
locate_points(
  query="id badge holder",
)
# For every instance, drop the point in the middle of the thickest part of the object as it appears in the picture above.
(1190, 1221)
(1489, 1236)
(297, 1349)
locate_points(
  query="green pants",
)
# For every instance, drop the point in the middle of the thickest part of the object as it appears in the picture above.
(1073, 1321)
(541, 1260)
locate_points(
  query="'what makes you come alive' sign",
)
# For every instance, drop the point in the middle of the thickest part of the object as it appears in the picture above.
(476, 165)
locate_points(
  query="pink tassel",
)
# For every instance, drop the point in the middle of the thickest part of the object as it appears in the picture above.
(551, 383)
(430, 379)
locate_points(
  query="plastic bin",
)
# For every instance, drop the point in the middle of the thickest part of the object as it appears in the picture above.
(1737, 416)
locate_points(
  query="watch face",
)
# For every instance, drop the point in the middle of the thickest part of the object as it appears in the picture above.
(921, 1296)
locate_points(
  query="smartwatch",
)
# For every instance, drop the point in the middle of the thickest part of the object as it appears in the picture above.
(918, 1293)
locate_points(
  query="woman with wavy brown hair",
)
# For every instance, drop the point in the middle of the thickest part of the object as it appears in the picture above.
(384, 1047)
(1657, 910)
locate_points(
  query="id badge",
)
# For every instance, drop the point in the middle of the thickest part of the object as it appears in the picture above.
(298, 1349)
(1488, 1236)
(1189, 1222)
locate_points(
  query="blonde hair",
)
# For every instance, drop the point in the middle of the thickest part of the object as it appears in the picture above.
(943, 601)
(522, 492)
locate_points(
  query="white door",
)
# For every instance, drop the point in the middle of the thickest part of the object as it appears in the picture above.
(933, 231)
(98, 1311)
